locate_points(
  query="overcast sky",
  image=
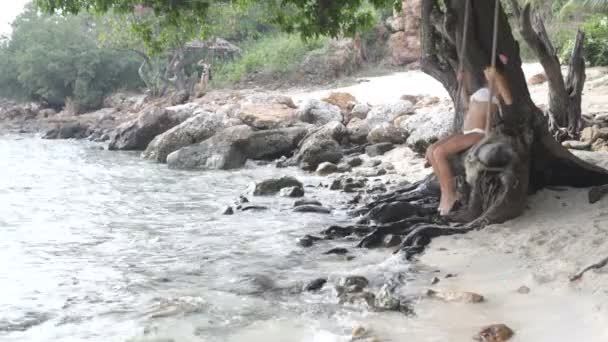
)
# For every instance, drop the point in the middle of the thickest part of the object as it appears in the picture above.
(9, 9)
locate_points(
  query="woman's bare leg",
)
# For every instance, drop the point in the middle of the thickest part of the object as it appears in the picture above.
(453, 145)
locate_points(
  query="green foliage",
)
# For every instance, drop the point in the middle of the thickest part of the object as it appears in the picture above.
(596, 41)
(51, 58)
(310, 18)
(595, 5)
(272, 55)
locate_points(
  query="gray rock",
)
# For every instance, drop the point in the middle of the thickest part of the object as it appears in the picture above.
(343, 167)
(354, 161)
(308, 240)
(68, 130)
(358, 130)
(337, 251)
(523, 290)
(194, 130)
(254, 208)
(378, 149)
(321, 145)
(307, 202)
(274, 143)
(307, 208)
(228, 211)
(424, 129)
(358, 281)
(326, 168)
(360, 111)
(294, 191)
(138, 133)
(315, 285)
(225, 150)
(386, 132)
(388, 113)
(318, 112)
(274, 185)
(386, 300)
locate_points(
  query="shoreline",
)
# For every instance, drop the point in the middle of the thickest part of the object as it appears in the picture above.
(557, 236)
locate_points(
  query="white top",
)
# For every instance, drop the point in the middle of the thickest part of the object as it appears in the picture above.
(483, 95)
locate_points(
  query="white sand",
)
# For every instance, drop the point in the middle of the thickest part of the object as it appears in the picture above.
(557, 236)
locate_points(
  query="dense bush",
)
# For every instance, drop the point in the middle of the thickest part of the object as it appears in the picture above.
(275, 54)
(52, 58)
(596, 42)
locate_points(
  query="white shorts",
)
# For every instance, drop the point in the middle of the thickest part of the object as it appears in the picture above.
(474, 130)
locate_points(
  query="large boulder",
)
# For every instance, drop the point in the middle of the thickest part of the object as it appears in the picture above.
(138, 133)
(321, 146)
(267, 115)
(68, 130)
(389, 112)
(318, 112)
(386, 133)
(274, 143)
(196, 129)
(274, 185)
(344, 101)
(425, 129)
(225, 150)
(358, 130)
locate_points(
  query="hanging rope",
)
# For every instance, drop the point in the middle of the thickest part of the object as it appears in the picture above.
(465, 31)
(493, 63)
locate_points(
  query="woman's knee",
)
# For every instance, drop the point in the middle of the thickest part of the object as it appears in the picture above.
(439, 152)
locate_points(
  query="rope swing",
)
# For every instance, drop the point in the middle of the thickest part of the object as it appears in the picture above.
(465, 31)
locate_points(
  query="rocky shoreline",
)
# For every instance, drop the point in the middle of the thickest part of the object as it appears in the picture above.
(362, 150)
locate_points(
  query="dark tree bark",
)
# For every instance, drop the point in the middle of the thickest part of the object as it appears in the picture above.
(518, 155)
(564, 111)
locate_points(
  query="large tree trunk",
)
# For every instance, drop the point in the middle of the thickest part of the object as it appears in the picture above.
(517, 157)
(564, 111)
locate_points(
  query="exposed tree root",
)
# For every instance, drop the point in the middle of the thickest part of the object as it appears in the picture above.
(597, 265)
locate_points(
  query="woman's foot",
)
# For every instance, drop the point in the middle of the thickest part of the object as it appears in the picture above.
(447, 203)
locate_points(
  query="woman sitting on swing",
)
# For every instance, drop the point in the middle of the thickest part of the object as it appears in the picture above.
(476, 123)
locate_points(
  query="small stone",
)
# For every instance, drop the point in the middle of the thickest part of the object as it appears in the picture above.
(450, 275)
(358, 281)
(337, 251)
(523, 290)
(494, 333)
(315, 285)
(228, 211)
(308, 240)
(243, 199)
(454, 296)
(356, 199)
(326, 168)
(350, 257)
(294, 191)
(336, 185)
(354, 162)
(378, 149)
(311, 209)
(358, 331)
(434, 281)
(254, 208)
(306, 202)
